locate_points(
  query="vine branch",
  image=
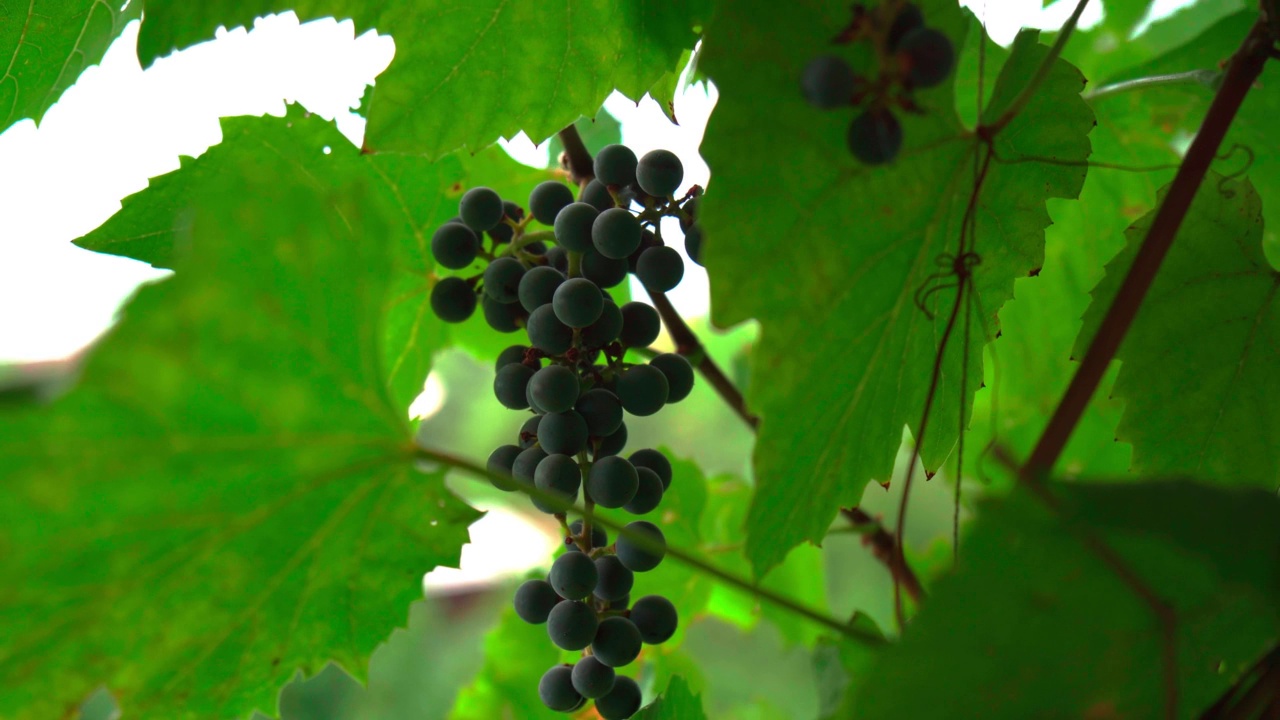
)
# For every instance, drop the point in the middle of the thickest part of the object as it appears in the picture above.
(885, 549)
(1208, 78)
(576, 158)
(1244, 69)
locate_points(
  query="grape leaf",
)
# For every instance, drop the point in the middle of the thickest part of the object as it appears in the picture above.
(228, 495)
(465, 73)
(1034, 624)
(825, 433)
(409, 195)
(45, 45)
(837, 665)
(677, 703)
(1198, 376)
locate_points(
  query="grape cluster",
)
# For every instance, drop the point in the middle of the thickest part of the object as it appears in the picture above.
(575, 377)
(913, 56)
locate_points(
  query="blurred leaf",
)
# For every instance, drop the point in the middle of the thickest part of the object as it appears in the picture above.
(848, 306)
(48, 45)
(668, 86)
(1198, 377)
(1035, 624)
(836, 665)
(467, 73)
(228, 494)
(677, 703)
(331, 694)
(516, 656)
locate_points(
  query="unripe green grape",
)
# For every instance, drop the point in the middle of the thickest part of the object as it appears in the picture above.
(481, 209)
(578, 302)
(547, 333)
(659, 173)
(592, 678)
(564, 433)
(615, 233)
(572, 625)
(453, 300)
(828, 82)
(500, 462)
(656, 619)
(547, 199)
(555, 689)
(643, 390)
(558, 475)
(615, 165)
(660, 269)
(611, 482)
(534, 601)
(622, 702)
(875, 136)
(648, 493)
(655, 461)
(640, 325)
(617, 641)
(538, 286)
(502, 279)
(509, 385)
(573, 226)
(636, 556)
(555, 388)
(603, 271)
(454, 246)
(679, 375)
(573, 575)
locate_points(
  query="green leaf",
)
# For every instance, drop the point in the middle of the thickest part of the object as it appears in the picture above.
(228, 495)
(46, 45)
(668, 86)
(837, 666)
(845, 356)
(677, 703)
(516, 656)
(1198, 376)
(1035, 624)
(466, 73)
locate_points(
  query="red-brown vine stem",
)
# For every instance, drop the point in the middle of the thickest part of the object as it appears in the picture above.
(885, 549)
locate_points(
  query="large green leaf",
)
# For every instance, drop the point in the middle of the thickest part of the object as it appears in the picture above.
(408, 195)
(845, 356)
(1035, 624)
(677, 703)
(1198, 377)
(468, 72)
(46, 44)
(228, 494)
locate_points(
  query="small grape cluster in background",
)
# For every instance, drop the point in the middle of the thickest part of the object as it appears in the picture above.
(575, 379)
(911, 56)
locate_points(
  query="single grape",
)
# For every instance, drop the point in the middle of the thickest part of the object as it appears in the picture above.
(547, 199)
(605, 329)
(909, 18)
(556, 689)
(596, 195)
(512, 354)
(555, 388)
(617, 641)
(622, 702)
(615, 233)
(526, 463)
(534, 601)
(500, 316)
(564, 433)
(656, 619)
(578, 302)
(655, 461)
(599, 538)
(690, 208)
(533, 404)
(500, 462)
(602, 410)
(453, 300)
(537, 247)
(558, 258)
(502, 279)
(679, 375)
(572, 625)
(640, 325)
(592, 678)
(529, 432)
(547, 333)
(660, 269)
(616, 165)
(693, 243)
(638, 557)
(573, 226)
(612, 444)
(614, 580)
(648, 493)
(647, 240)
(481, 208)
(454, 246)
(573, 575)
(875, 136)
(611, 482)
(558, 475)
(537, 286)
(643, 390)
(509, 385)
(828, 82)
(603, 271)
(659, 173)
(928, 55)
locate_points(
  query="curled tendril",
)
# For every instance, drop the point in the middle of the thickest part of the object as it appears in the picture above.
(957, 267)
(1223, 190)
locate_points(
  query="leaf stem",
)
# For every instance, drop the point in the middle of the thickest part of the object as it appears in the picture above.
(590, 517)
(885, 549)
(576, 158)
(1208, 78)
